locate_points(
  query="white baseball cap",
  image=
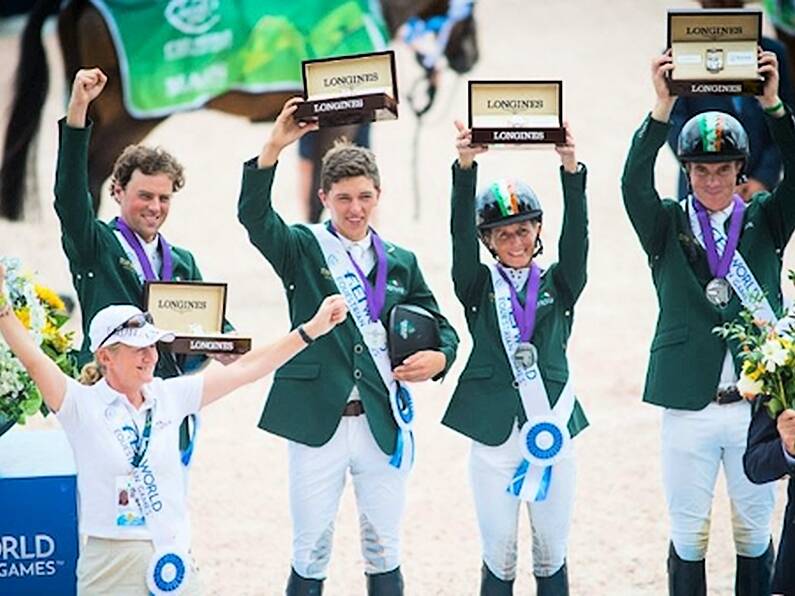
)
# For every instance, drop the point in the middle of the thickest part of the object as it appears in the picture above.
(126, 324)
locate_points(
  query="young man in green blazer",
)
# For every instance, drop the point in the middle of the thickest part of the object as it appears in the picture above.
(710, 255)
(339, 403)
(111, 261)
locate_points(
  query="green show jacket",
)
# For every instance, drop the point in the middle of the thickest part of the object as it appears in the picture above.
(486, 403)
(686, 355)
(102, 273)
(309, 392)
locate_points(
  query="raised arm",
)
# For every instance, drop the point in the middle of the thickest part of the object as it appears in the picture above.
(262, 361)
(50, 380)
(779, 206)
(641, 200)
(267, 231)
(466, 249)
(73, 203)
(570, 271)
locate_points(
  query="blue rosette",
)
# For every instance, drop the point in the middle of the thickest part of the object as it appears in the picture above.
(168, 572)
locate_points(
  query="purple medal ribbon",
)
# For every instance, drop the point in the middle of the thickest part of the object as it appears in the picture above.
(376, 296)
(719, 267)
(525, 316)
(146, 266)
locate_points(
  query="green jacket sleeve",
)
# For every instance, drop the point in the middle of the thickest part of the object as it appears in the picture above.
(466, 247)
(641, 200)
(267, 231)
(420, 295)
(73, 203)
(570, 271)
(779, 206)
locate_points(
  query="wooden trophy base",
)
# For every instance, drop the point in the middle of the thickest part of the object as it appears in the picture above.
(208, 344)
(518, 136)
(712, 87)
(355, 109)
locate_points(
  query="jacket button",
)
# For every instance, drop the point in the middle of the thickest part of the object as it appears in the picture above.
(358, 348)
(291, 287)
(90, 274)
(567, 313)
(515, 384)
(357, 374)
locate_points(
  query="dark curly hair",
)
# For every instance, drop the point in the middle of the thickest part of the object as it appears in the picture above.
(150, 161)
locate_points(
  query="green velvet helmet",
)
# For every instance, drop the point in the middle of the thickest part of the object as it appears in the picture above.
(506, 202)
(712, 137)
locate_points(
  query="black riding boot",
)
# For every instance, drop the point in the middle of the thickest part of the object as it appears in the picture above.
(491, 585)
(554, 585)
(385, 584)
(754, 574)
(301, 586)
(685, 578)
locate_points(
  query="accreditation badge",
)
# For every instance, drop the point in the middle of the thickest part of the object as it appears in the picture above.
(168, 571)
(128, 514)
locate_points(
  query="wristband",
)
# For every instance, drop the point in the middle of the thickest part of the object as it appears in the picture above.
(774, 109)
(304, 335)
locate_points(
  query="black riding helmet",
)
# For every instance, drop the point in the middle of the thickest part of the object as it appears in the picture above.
(506, 202)
(712, 137)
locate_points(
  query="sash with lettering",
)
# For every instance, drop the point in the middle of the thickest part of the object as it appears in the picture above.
(364, 307)
(544, 438)
(169, 567)
(723, 248)
(166, 274)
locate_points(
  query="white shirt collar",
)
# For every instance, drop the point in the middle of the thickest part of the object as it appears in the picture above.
(110, 395)
(365, 243)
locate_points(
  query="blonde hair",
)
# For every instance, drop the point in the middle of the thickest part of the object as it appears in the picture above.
(92, 372)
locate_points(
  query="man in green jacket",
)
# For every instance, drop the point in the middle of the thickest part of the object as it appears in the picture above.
(339, 403)
(710, 255)
(111, 261)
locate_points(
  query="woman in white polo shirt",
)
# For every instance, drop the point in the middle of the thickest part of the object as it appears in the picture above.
(123, 431)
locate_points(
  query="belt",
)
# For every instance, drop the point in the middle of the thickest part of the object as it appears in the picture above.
(729, 395)
(353, 408)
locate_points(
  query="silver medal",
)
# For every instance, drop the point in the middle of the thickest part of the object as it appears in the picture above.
(525, 355)
(375, 336)
(718, 291)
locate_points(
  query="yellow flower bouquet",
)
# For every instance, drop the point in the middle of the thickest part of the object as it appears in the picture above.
(43, 313)
(768, 359)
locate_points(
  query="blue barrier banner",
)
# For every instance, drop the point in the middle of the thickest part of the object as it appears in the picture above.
(38, 524)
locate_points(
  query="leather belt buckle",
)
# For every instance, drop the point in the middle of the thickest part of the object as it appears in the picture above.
(353, 408)
(729, 395)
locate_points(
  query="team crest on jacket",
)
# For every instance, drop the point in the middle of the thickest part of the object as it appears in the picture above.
(394, 286)
(126, 264)
(325, 273)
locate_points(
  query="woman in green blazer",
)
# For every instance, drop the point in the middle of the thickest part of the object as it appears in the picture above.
(514, 398)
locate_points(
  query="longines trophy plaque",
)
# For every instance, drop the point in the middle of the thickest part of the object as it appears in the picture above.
(349, 89)
(194, 311)
(714, 52)
(516, 112)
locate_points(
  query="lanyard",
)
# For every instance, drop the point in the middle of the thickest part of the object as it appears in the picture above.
(142, 444)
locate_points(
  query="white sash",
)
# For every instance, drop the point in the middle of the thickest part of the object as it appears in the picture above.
(169, 567)
(544, 438)
(373, 332)
(740, 275)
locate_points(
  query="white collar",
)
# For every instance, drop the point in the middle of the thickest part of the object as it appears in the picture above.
(365, 243)
(109, 395)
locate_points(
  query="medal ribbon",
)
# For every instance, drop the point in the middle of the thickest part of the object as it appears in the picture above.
(143, 260)
(525, 316)
(376, 296)
(719, 266)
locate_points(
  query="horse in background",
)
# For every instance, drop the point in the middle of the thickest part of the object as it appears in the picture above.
(85, 41)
